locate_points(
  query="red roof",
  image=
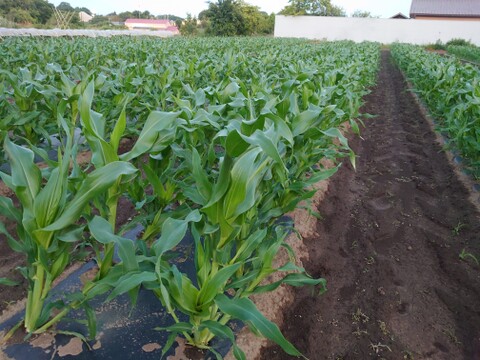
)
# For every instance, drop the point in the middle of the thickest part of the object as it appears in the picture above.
(147, 21)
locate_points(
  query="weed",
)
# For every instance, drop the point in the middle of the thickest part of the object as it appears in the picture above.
(359, 316)
(451, 335)
(456, 229)
(465, 255)
(383, 327)
(379, 347)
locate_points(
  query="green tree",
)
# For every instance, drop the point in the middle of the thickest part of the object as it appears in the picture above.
(225, 18)
(312, 7)
(189, 26)
(65, 6)
(363, 14)
(42, 11)
(236, 17)
(26, 11)
(99, 20)
(20, 16)
(84, 9)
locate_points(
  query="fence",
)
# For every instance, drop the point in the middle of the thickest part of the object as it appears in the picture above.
(385, 31)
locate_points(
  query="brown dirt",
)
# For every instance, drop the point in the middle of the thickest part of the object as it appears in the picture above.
(389, 247)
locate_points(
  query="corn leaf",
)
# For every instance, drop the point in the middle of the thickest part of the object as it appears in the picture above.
(245, 310)
(95, 184)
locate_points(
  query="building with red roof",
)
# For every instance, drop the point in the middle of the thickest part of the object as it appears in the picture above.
(151, 24)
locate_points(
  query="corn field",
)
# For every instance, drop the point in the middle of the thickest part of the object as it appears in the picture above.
(227, 136)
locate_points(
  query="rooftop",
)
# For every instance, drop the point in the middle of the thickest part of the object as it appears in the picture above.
(464, 8)
(147, 21)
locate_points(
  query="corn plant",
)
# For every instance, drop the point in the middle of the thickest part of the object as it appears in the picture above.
(47, 219)
(228, 136)
(451, 91)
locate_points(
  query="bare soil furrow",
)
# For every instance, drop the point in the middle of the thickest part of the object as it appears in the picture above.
(389, 246)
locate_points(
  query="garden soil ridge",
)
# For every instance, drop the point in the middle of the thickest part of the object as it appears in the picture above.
(389, 246)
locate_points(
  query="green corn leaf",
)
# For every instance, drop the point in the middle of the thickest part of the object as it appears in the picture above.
(304, 121)
(168, 343)
(243, 172)
(321, 175)
(96, 183)
(129, 282)
(215, 285)
(59, 264)
(201, 179)
(102, 231)
(154, 180)
(50, 199)
(156, 122)
(91, 320)
(245, 310)
(176, 328)
(14, 244)
(223, 331)
(71, 234)
(8, 210)
(281, 127)
(296, 279)
(258, 138)
(221, 186)
(118, 130)
(336, 133)
(173, 231)
(8, 282)
(26, 176)
(249, 245)
(235, 145)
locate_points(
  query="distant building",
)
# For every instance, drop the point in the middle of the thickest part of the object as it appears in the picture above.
(467, 10)
(149, 24)
(173, 29)
(84, 17)
(399, 16)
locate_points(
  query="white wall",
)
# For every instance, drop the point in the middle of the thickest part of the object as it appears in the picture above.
(385, 31)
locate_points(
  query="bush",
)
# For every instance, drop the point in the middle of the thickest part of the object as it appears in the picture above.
(459, 42)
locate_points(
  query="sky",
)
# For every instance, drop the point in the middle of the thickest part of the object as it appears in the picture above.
(382, 8)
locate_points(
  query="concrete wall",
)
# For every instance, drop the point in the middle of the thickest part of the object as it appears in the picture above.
(385, 31)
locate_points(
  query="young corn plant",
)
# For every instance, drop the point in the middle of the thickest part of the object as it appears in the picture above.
(104, 148)
(47, 220)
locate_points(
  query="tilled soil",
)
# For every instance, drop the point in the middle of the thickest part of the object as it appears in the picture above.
(389, 246)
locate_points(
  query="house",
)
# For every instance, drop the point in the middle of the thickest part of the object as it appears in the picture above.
(84, 17)
(399, 16)
(150, 24)
(467, 10)
(173, 29)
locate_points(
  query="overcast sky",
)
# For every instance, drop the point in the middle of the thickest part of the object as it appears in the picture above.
(382, 8)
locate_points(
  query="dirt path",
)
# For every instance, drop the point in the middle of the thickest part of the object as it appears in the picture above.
(389, 248)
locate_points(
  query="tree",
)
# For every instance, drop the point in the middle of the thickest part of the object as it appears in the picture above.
(42, 11)
(225, 18)
(84, 9)
(65, 6)
(363, 14)
(235, 17)
(312, 7)
(20, 16)
(26, 11)
(189, 26)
